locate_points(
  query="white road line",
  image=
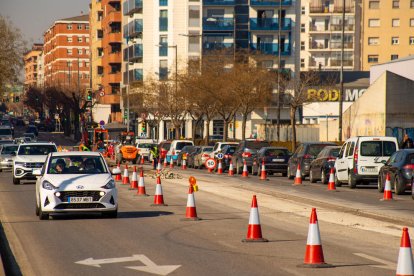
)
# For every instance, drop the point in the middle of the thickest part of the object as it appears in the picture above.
(385, 264)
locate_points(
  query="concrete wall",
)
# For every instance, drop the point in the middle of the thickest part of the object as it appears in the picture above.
(304, 133)
(402, 68)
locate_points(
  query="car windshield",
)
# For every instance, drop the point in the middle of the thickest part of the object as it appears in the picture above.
(230, 150)
(180, 145)
(209, 149)
(334, 152)
(5, 131)
(36, 149)
(76, 164)
(6, 142)
(9, 149)
(378, 148)
(145, 146)
(276, 152)
(314, 150)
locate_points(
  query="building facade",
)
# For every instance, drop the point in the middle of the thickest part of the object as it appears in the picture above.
(66, 53)
(388, 31)
(31, 60)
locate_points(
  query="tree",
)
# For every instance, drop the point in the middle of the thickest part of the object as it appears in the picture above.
(34, 99)
(12, 47)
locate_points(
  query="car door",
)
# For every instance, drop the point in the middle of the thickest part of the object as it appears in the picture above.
(293, 161)
(341, 164)
(395, 164)
(317, 163)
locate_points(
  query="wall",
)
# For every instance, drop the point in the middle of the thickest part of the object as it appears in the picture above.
(401, 68)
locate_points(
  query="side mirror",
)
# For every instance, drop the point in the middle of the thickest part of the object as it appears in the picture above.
(37, 172)
(116, 171)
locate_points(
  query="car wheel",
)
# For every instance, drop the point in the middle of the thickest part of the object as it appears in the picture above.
(399, 187)
(43, 215)
(311, 178)
(351, 181)
(380, 184)
(337, 182)
(289, 174)
(324, 177)
(110, 214)
(16, 181)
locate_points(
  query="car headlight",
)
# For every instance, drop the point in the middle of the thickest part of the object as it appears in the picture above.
(48, 186)
(19, 163)
(109, 185)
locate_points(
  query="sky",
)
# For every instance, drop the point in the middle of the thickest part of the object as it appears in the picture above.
(34, 17)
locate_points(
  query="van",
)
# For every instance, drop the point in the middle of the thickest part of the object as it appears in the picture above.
(361, 158)
(176, 147)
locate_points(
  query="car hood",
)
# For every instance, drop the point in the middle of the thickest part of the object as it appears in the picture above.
(74, 181)
(30, 158)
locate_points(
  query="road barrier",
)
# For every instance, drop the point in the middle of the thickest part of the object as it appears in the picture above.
(405, 264)
(191, 212)
(245, 171)
(387, 188)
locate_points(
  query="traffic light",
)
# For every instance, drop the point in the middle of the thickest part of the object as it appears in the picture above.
(89, 96)
(143, 126)
(17, 99)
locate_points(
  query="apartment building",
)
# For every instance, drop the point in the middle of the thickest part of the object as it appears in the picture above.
(31, 59)
(41, 70)
(388, 31)
(66, 53)
(321, 34)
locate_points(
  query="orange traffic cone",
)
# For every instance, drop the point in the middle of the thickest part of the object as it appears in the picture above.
(331, 183)
(231, 169)
(263, 175)
(254, 231)
(387, 189)
(125, 178)
(134, 180)
(171, 163)
(142, 160)
(165, 163)
(314, 253)
(191, 212)
(405, 266)
(220, 167)
(184, 167)
(245, 171)
(141, 184)
(118, 177)
(298, 178)
(159, 166)
(158, 197)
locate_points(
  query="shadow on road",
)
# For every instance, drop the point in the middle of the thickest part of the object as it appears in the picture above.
(121, 215)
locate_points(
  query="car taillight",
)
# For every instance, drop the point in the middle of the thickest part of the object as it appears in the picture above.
(246, 154)
(408, 171)
(409, 167)
(331, 158)
(226, 156)
(205, 155)
(356, 160)
(307, 156)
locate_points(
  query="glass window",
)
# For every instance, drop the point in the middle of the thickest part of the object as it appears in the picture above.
(411, 40)
(411, 22)
(194, 42)
(302, 63)
(69, 51)
(87, 27)
(6, 131)
(9, 149)
(373, 40)
(302, 45)
(389, 148)
(303, 9)
(277, 152)
(395, 41)
(395, 4)
(80, 39)
(80, 51)
(69, 26)
(393, 57)
(194, 16)
(377, 148)
(314, 150)
(374, 22)
(374, 4)
(341, 152)
(351, 148)
(372, 58)
(163, 2)
(69, 39)
(411, 3)
(395, 22)
(302, 28)
(76, 165)
(79, 26)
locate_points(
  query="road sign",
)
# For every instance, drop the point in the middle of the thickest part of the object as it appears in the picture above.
(101, 93)
(210, 163)
(220, 155)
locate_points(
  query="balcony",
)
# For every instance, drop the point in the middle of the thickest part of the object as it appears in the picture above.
(132, 6)
(314, 45)
(270, 24)
(133, 76)
(114, 16)
(114, 57)
(214, 47)
(133, 53)
(114, 37)
(114, 77)
(330, 9)
(218, 24)
(219, 2)
(133, 29)
(271, 3)
(270, 49)
(163, 24)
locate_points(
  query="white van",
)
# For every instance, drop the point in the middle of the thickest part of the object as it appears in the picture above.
(360, 159)
(176, 147)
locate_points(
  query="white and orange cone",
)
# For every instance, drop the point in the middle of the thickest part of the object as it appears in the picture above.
(158, 197)
(142, 160)
(134, 179)
(298, 177)
(314, 253)
(125, 178)
(191, 212)
(263, 175)
(245, 172)
(184, 167)
(141, 184)
(387, 189)
(254, 231)
(220, 167)
(171, 162)
(165, 163)
(331, 182)
(405, 266)
(159, 167)
(118, 177)
(231, 169)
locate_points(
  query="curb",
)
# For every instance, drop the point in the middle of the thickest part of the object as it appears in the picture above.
(8, 261)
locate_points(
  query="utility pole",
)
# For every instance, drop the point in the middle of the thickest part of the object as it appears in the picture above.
(278, 74)
(341, 76)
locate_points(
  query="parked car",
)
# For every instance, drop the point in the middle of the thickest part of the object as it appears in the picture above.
(275, 158)
(30, 135)
(32, 129)
(218, 146)
(361, 158)
(304, 155)
(163, 148)
(75, 182)
(144, 149)
(191, 155)
(247, 150)
(176, 147)
(186, 150)
(7, 153)
(320, 168)
(227, 151)
(6, 133)
(202, 154)
(400, 166)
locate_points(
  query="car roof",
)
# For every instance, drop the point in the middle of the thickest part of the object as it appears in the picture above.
(76, 153)
(37, 144)
(283, 148)
(9, 145)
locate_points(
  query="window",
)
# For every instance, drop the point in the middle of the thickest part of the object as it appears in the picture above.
(350, 150)
(87, 27)
(303, 10)
(69, 64)
(164, 46)
(100, 52)
(80, 39)
(411, 3)
(395, 41)
(302, 63)
(396, 4)
(79, 26)
(393, 57)
(163, 2)
(163, 20)
(69, 39)
(194, 42)
(87, 39)
(86, 51)
(395, 22)
(194, 16)
(411, 22)
(374, 4)
(87, 64)
(372, 58)
(80, 51)
(373, 40)
(268, 64)
(69, 51)
(411, 40)
(69, 26)
(302, 28)
(302, 45)
(373, 22)
(163, 74)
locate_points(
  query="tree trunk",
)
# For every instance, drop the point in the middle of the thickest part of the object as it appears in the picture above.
(76, 133)
(293, 124)
(207, 138)
(225, 130)
(177, 132)
(244, 120)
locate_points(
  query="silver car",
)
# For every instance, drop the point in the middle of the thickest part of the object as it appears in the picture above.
(6, 156)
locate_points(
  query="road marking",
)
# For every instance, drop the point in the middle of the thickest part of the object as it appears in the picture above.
(386, 264)
(149, 266)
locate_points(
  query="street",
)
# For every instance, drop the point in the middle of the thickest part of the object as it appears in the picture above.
(360, 234)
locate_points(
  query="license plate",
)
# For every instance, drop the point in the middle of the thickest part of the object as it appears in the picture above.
(369, 169)
(80, 199)
(278, 160)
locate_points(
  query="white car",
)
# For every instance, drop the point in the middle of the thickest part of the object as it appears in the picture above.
(219, 146)
(76, 182)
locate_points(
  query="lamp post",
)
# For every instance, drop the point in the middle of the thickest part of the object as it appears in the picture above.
(341, 76)
(279, 53)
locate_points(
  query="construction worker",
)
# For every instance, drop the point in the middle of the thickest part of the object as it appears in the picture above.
(154, 153)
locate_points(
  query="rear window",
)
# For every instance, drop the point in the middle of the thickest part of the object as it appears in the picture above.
(276, 152)
(231, 150)
(378, 148)
(256, 144)
(166, 146)
(5, 131)
(207, 149)
(145, 146)
(410, 158)
(316, 149)
(334, 152)
(180, 145)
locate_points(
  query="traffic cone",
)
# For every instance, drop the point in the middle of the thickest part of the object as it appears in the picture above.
(298, 178)
(141, 184)
(220, 167)
(134, 180)
(165, 163)
(191, 212)
(118, 177)
(159, 166)
(171, 163)
(387, 189)
(314, 253)
(245, 171)
(331, 183)
(263, 175)
(405, 266)
(254, 231)
(231, 169)
(158, 197)
(142, 160)
(125, 179)
(184, 167)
